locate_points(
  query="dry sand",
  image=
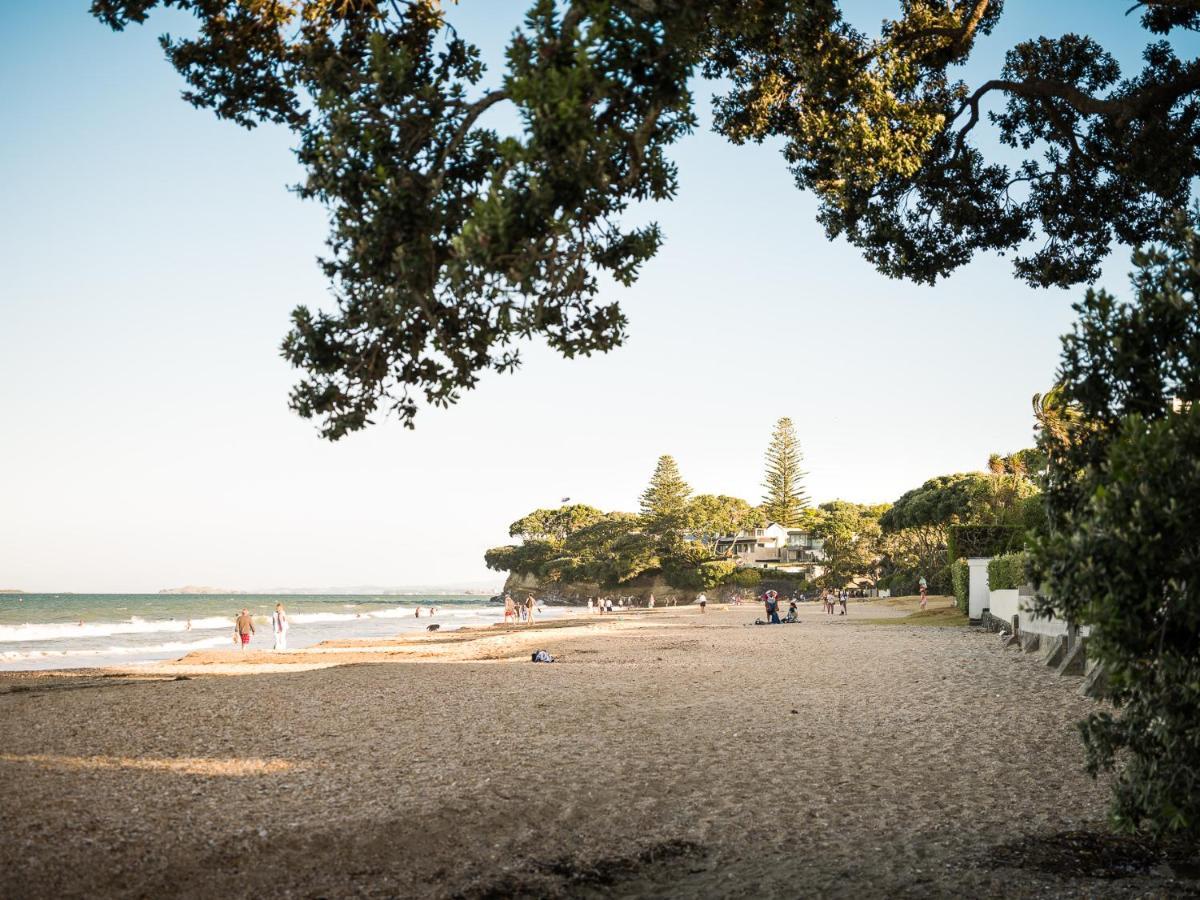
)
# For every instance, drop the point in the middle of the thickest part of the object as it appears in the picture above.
(666, 754)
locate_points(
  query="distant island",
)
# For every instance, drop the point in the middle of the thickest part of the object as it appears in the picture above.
(12, 591)
(194, 589)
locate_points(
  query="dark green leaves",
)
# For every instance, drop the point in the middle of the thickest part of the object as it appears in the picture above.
(1123, 547)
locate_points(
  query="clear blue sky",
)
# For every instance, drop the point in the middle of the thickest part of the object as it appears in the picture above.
(151, 255)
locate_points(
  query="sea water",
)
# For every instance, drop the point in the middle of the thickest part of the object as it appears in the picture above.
(53, 631)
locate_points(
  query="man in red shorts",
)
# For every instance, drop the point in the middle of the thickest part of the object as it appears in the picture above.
(245, 627)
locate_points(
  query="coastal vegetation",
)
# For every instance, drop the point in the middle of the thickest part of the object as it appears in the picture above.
(685, 538)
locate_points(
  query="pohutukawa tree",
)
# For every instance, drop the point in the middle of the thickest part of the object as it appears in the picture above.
(450, 241)
(784, 479)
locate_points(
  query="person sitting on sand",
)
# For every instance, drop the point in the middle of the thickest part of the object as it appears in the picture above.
(244, 627)
(530, 605)
(793, 612)
(279, 625)
(510, 609)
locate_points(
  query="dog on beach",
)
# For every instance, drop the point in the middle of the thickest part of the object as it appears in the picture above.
(434, 627)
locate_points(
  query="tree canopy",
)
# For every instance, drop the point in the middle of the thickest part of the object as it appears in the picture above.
(449, 241)
(712, 516)
(851, 540)
(984, 498)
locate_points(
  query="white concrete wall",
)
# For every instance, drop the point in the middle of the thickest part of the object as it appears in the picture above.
(977, 586)
(1004, 604)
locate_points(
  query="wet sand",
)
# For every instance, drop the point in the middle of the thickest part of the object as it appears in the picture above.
(665, 754)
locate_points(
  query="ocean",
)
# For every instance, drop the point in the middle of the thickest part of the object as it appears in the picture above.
(58, 631)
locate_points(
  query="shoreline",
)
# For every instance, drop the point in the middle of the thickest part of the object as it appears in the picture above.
(665, 753)
(124, 634)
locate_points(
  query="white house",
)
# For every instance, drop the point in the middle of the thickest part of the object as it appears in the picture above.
(787, 548)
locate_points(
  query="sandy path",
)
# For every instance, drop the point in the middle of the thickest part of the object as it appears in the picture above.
(665, 755)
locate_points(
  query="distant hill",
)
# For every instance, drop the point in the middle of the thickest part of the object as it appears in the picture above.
(12, 591)
(194, 589)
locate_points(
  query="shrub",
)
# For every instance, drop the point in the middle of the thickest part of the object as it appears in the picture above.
(960, 579)
(743, 578)
(1007, 572)
(1122, 435)
(716, 572)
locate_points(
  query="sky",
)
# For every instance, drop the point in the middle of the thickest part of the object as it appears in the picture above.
(151, 255)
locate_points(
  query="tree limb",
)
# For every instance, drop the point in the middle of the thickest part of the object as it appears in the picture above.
(1121, 109)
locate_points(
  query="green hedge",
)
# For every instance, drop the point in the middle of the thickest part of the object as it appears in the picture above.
(1006, 572)
(960, 581)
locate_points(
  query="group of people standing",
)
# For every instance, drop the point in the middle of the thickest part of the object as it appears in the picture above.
(833, 599)
(243, 627)
(603, 604)
(517, 611)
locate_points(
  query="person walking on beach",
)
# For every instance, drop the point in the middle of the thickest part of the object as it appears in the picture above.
(279, 625)
(650, 602)
(845, 597)
(244, 627)
(608, 607)
(510, 609)
(589, 605)
(702, 601)
(529, 608)
(924, 587)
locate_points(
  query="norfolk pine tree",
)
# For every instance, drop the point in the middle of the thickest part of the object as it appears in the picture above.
(665, 501)
(784, 480)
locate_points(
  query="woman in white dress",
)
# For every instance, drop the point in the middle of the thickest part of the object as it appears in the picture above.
(279, 624)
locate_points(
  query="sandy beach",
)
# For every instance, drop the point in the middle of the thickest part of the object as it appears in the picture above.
(666, 753)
